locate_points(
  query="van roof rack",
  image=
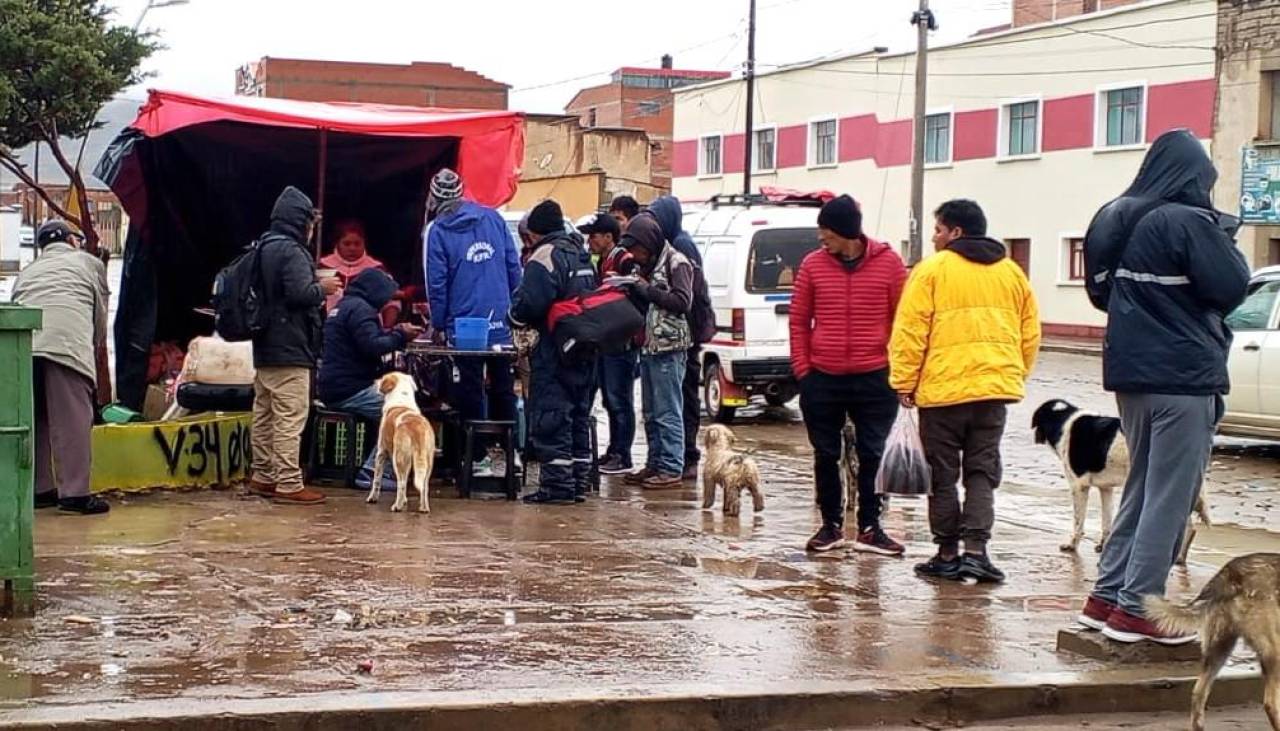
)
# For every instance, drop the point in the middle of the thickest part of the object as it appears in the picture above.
(756, 199)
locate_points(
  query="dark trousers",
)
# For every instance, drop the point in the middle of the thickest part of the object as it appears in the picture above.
(617, 381)
(64, 429)
(559, 413)
(692, 405)
(475, 399)
(963, 442)
(826, 401)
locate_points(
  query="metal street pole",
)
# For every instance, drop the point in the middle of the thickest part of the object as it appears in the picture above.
(747, 141)
(924, 21)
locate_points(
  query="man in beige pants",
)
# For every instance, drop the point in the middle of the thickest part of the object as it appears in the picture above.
(285, 353)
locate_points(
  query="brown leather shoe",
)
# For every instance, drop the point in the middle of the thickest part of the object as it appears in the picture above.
(264, 489)
(305, 496)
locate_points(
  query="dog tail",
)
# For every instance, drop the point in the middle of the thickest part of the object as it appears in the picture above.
(1173, 617)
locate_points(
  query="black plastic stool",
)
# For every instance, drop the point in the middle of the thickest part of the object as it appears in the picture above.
(506, 430)
(337, 447)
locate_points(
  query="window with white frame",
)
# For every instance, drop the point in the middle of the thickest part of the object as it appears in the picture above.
(1020, 129)
(711, 160)
(822, 142)
(937, 139)
(1073, 250)
(1122, 113)
(765, 155)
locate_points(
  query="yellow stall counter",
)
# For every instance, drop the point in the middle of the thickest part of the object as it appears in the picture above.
(199, 451)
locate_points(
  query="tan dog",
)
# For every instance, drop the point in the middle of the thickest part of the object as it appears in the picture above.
(730, 470)
(1241, 603)
(407, 437)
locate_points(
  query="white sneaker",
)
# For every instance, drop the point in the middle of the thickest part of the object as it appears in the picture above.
(483, 468)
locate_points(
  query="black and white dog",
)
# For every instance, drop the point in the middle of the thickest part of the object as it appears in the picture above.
(1094, 454)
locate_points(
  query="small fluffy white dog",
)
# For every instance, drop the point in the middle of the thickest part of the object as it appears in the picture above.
(407, 437)
(730, 470)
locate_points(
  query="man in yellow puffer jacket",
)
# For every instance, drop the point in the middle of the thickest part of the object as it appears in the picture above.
(964, 341)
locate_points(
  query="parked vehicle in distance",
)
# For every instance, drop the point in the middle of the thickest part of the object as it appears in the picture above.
(751, 251)
(1253, 406)
(26, 237)
(512, 219)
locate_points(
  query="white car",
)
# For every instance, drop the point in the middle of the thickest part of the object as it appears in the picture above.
(1253, 406)
(750, 256)
(26, 237)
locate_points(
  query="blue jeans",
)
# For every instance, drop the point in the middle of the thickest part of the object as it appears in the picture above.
(618, 391)
(661, 387)
(367, 405)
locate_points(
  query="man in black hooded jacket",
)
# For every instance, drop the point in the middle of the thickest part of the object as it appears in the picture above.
(286, 351)
(1161, 262)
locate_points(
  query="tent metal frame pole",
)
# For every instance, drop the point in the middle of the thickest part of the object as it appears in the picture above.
(321, 174)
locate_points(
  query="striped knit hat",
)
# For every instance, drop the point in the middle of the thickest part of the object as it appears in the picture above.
(446, 186)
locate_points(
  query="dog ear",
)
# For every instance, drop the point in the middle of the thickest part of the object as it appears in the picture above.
(387, 384)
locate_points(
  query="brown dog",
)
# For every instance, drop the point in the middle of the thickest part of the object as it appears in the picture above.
(406, 436)
(729, 470)
(1241, 603)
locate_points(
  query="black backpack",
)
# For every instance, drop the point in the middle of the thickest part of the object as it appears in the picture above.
(239, 297)
(702, 316)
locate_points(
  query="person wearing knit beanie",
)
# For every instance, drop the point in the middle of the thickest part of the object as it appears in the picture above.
(445, 193)
(842, 216)
(546, 218)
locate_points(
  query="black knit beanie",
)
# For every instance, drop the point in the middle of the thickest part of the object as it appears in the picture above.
(546, 218)
(843, 216)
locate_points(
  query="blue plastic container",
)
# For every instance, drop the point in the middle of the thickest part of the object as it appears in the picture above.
(471, 333)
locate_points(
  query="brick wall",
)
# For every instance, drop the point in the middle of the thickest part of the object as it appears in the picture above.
(1030, 12)
(1248, 25)
(416, 84)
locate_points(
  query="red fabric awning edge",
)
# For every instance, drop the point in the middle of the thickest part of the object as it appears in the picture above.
(491, 142)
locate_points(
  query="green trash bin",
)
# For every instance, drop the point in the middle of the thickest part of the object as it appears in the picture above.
(17, 442)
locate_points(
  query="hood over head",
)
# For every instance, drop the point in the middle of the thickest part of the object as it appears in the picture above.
(979, 249)
(669, 214)
(1176, 169)
(645, 232)
(291, 214)
(373, 286)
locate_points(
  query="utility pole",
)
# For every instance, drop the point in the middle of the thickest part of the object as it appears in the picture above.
(924, 22)
(747, 141)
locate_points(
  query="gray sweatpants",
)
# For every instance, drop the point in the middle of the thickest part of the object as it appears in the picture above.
(1170, 439)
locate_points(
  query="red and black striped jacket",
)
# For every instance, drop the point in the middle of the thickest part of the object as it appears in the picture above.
(842, 315)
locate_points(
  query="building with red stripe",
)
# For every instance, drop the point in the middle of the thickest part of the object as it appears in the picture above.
(1040, 123)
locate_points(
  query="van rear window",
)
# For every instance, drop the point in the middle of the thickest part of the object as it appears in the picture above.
(775, 258)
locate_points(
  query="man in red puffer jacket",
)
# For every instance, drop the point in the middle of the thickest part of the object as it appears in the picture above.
(842, 310)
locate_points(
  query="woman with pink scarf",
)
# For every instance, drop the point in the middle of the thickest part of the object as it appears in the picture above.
(349, 258)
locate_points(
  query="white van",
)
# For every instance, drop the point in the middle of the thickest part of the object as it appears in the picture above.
(750, 253)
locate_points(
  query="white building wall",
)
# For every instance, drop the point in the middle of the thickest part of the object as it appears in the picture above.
(1044, 199)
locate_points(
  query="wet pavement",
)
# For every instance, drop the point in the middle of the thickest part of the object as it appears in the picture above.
(219, 597)
(1249, 718)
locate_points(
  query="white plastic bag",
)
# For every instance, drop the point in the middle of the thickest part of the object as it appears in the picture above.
(904, 469)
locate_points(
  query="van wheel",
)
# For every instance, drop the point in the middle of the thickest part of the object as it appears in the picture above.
(713, 397)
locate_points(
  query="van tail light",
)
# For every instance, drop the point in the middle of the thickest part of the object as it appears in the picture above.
(740, 325)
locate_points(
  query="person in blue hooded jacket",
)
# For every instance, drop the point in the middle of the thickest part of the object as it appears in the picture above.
(472, 268)
(670, 217)
(355, 344)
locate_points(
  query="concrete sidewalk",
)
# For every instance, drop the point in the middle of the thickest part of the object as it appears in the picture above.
(632, 611)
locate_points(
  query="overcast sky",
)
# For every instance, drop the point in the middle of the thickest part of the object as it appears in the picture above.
(545, 50)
